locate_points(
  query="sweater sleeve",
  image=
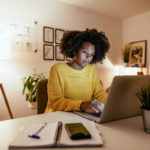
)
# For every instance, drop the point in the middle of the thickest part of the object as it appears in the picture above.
(56, 100)
(98, 93)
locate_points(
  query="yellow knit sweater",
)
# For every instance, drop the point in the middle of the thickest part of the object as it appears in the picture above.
(68, 88)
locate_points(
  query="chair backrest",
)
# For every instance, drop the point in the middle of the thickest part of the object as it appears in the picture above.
(41, 96)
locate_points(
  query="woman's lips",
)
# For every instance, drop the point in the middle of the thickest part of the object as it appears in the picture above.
(86, 62)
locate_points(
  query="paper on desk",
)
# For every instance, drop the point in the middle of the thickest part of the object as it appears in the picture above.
(47, 136)
(95, 139)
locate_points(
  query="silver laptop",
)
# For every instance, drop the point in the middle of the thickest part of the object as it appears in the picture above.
(121, 101)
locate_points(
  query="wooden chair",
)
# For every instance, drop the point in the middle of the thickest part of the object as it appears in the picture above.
(41, 96)
(6, 101)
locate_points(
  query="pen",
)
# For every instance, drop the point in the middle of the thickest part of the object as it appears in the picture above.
(35, 135)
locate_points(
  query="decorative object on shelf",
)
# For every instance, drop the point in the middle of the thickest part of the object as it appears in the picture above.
(29, 86)
(48, 52)
(137, 56)
(144, 96)
(58, 54)
(48, 34)
(140, 72)
(58, 35)
(125, 55)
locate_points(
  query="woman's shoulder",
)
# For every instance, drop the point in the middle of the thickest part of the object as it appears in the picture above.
(58, 66)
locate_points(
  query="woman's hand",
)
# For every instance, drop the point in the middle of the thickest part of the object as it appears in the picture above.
(86, 106)
(91, 106)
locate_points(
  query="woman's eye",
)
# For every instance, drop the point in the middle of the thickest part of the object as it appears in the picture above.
(84, 51)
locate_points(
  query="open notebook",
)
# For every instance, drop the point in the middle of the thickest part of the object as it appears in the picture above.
(54, 135)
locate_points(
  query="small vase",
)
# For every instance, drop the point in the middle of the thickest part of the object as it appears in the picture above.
(32, 105)
(125, 64)
(146, 119)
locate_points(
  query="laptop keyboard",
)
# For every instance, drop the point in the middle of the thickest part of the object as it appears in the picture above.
(93, 117)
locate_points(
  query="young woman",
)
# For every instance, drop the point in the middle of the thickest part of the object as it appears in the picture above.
(74, 85)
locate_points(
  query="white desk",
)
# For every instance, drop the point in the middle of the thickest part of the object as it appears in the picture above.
(126, 134)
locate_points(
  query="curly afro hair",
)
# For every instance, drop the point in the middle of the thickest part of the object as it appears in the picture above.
(73, 40)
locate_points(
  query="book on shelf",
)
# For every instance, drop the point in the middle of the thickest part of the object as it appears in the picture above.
(54, 135)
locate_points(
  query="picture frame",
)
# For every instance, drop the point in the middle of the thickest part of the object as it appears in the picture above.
(48, 34)
(48, 52)
(137, 53)
(58, 55)
(58, 35)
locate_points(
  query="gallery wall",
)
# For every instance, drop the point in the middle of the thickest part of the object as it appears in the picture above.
(56, 14)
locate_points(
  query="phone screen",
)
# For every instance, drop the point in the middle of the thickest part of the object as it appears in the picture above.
(77, 131)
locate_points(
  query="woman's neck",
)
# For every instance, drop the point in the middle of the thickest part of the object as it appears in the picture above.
(74, 65)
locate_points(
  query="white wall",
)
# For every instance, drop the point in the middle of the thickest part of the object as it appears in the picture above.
(137, 28)
(59, 15)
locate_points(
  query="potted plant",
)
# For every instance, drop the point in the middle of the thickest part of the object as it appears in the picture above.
(144, 96)
(29, 87)
(125, 54)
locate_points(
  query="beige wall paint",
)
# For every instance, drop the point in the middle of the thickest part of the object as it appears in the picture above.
(137, 28)
(59, 15)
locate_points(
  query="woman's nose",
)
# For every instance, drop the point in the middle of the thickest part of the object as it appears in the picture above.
(88, 55)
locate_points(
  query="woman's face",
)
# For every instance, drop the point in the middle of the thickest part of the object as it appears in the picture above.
(84, 56)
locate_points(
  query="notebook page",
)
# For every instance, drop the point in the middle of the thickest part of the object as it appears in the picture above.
(47, 136)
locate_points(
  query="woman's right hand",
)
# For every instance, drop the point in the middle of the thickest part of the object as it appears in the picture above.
(89, 107)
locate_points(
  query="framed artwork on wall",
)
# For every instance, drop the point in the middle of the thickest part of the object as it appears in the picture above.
(48, 34)
(137, 55)
(48, 52)
(58, 35)
(58, 54)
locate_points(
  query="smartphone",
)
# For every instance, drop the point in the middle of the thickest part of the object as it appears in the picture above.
(77, 131)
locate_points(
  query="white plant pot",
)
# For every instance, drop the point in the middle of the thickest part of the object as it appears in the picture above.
(32, 105)
(126, 64)
(146, 119)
